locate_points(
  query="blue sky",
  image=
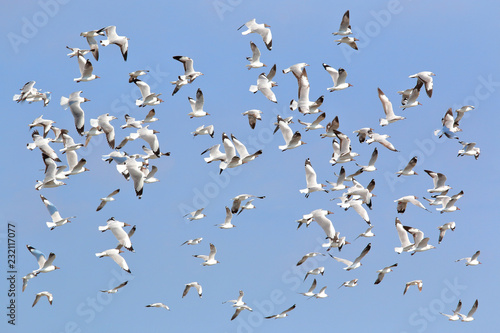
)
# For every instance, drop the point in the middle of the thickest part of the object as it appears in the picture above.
(397, 39)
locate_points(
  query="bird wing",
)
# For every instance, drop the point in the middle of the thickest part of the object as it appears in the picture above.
(386, 103)
(54, 213)
(255, 52)
(40, 257)
(473, 309)
(143, 87)
(333, 73)
(411, 164)
(374, 157)
(213, 251)
(310, 175)
(344, 24)
(403, 235)
(119, 260)
(199, 100)
(474, 257)
(344, 261)
(363, 253)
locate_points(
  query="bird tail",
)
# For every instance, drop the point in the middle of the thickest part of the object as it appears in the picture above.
(253, 88)
(101, 228)
(64, 102)
(50, 224)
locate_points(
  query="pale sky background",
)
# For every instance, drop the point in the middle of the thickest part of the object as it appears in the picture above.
(457, 40)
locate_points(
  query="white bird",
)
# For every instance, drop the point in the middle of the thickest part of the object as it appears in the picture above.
(411, 99)
(93, 131)
(470, 314)
(455, 316)
(243, 152)
(338, 76)
(73, 102)
(131, 232)
(193, 285)
(304, 105)
(37, 96)
(390, 117)
(104, 125)
(50, 179)
(265, 83)
(292, 140)
(214, 154)
(350, 177)
(158, 305)
(210, 259)
(443, 228)
(113, 38)
(331, 127)
(195, 241)
(406, 245)
(307, 256)
(315, 124)
(150, 117)
(202, 130)
(86, 70)
(69, 143)
(368, 233)
(47, 265)
(351, 41)
(40, 257)
(339, 185)
(135, 74)
(448, 126)
(469, 149)
(315, 271)
(227, 221)
(363, 133)
(115, 255)
(229, 148)
(420, 244)
(237, 302)
(116, 228)
(403, 201)
(148, 98)
(42, 144)
(57, 220)
(350, 284)
(382, 139)
(107, 199)
(179, 83)
(253, 116)
(310, 292)
(237, 200)
(197, 105)
(248, 205)
(417, 283)
(438, 179)
(356, 204)
(196, 215)
(90, 35)
(408, 169)
(115, 289)
(383, 271)
(262, 29)
(312, 184)
(42, 294)
(45, 123)
(26, 278)
(134, 170)
(319, 215)
(471, 261)
(345, 26)
(371, 164)
(461, 112)
(189, 73)
(350, 265)
(295, 69)
(322, 293)
(255, 58)
(27, 90)
(282, 314)
(76, 51)
(342, 151)
(426, 78)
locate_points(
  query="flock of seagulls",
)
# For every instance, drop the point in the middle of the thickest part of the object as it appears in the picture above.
(137, 167)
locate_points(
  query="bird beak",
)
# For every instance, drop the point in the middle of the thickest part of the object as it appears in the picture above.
(86, 100)
(97, 77)
(347, 242)
(263, 65)
(329, 212)
(57, 267)
(126, 224)
(155, 131)
(419, 103)
(267, 25)
(355, 39)
(120, 251)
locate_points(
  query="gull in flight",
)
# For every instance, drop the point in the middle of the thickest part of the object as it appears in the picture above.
(237, 200)
(449, 129)
(371, 163)
(45, 123)
(115, 255)
(350, 265)
(350, 284)
(197, 105)
(408, 169)
(265, 83)
(292, 140)
(113, 38)
(189, 73)
(368, 233)
(338, 76)
(196, 215)
(42, 294)
(115, 289)
(130, 234)
(193, 285)
(471, 261)
(307, 256)
(437, 199)
(248, 205)
(319, 215)
(383, 271)
(455, 316)
(342, 152)
(295, 69)
(282, 314)
(390, 117)
(44, 265)
(403, 201)
(315, 124)
(27, 90)
(382, 139)
(42, 144)
(362, 133)
(239, 305)
(202, 130)
(57, 220)
(76, 51)
(312, 184)
(107, 199)
(148, 98)
(321, 294)
(331, 127)
(461, 112)
(253, 116)
(195, 241)
(227, 221)
(210, 259)
(339, 185)
(304, 105)
(116, 228)
(448, 203)
(104, 125)
(417, 283)
(310, 292)
(135, 74)
(351, 41)
(357, 204)
(73, 102)
(255, 58)
(50, 179)
(262, 29)
(315, 271)
(438, 179)
(242, 150)
(26, 278)
(469, 149)
(345, 26)
(419, 242)
(406, 245)
(426, 78)
(410, 97)
(470, 314)
(158, 305)
(86, 70)
(443, 228)
(94, 47)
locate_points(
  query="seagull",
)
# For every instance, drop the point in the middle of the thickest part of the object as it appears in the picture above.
(94, 131)
(150, 117)
(130, 234)
(47, 265)
(411, 100)
(351, 41)
(383, 271)
(261, 29)
(350, 284)
(338, 78)
(390, 117)
(26, 278)
(42, 144)
(76, 51)
(455, 316)
(345, 27)
(417, 283)
(371, 164)
(319, 215)
(195, 285)
(291, 140)
(470, 314)
(248, 205)
(449, 129)
(304, 104)
(315, 124)
(310, 292)
(255, 58)
(357, 262)
(113, 38)
(242, 150)
(408, 170)
(287, 120)
(135, 74)
(426, 78)
(69, 143)
(86, 70)
(115, 255)
(460, 113)
(27, 90)
(339, 185)
(210, 259)
(227, 221)
(265, 83)
(189, 73)
(316, 271)
(42, 294)
(134, 170)
(179, 83)
(307, 256)
(73, 102)
(295, 69)
(443, 228)
(196, 215)
(150, 155)
(40, 257)
(37, 96)
(368, 233)
(471, 261)
(202, 130)
(195, 241)
(331, 127)
(45, 123)
(420, 243)
(214, 154)
(382, 139)
(406, 245)
(107, 199)
(364, 194)
(312, 184)
(438, 179)
(253, 116)
(237, 302)
(148, 98)
(94, 47)
(50, 179)
(57, 220)
(342, 152)
(197, 105)
(322, 293)
(116, 228)
(115, 289)
(362, 133)
(350, 177)
(104, 125)
(282, 314)
(469, 149)
(158, 305)
(356, 204)
(403, 201)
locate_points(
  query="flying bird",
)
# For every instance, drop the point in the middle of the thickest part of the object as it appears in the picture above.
(262, 29)
(403, 201)
(113, 38)
(265, 83)
(469, 149)
(350, 265)
(115, 289)
(253, 116)
(86, 70)
(390, 117)
(470, 314)
(349, 284)
(282, 314)
(195, 241)
(345, 26)
(57, 220)
(197, 105)
(383, 271)
(107, 199)
(307, 256)
(312, 184)
(315, 271)
(158, 305)
(292, 140)
(42, 294)
(255, 58)
(338, 76)
(426, 78)
(408, 169)
(417, 283)
(115, 255)
(73, 102)
(196, 215)
(189, 73)
(471, 261)
(116, 228)
(193, 285)
(148, 98)
(210, 259)
(455, 316)
(351, 41)
(443, 228)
